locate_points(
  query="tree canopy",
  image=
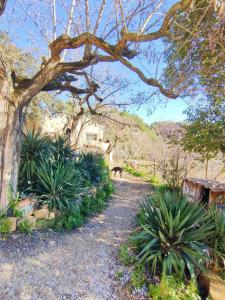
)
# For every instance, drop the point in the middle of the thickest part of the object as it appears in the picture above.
(195, 56)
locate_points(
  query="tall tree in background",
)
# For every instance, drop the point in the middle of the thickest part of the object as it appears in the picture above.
(205, 132)
(195, 53)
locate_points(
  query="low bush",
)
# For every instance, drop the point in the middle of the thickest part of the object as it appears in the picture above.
(69, 221)
(93, 168)
(171, 234)
(172, 288)
(4, 225)
(138, 279)
(154, 180)
(25, 227)
(133, 171)
(125, 256)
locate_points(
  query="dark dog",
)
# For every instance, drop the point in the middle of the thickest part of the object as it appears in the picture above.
(117, 170)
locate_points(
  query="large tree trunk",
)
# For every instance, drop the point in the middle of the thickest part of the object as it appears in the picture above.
(10, 133)
(10, 136)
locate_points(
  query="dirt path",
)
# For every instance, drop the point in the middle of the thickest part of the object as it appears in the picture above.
(76, 265)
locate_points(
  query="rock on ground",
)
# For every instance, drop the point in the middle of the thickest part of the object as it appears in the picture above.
(76, 265)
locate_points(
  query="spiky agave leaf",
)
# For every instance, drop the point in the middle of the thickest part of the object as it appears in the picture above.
(172, 234)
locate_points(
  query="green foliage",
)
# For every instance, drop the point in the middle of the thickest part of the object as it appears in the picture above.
(133, 171)
(171, 288)
(58, 186)
(74, 220)
(62, 149)
(172, 234)
(109, 189)
(154, 180)
(216, 241)
(98, 203)
(195, 59)
(45, 224)
(138, 277)
(4, 225)
(206, 124)
(25, 226)
(140, 124)
(69, 221)
(49, 170)
(13, 204)
(119, 275)
(85, 206)
(34, 149)
(92, 167)
(125, 256)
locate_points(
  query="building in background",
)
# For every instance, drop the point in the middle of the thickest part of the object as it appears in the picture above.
(87, 135)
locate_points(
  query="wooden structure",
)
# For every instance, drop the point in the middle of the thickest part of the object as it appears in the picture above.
(203, 190)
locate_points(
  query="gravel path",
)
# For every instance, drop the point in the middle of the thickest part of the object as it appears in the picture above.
(76, 265)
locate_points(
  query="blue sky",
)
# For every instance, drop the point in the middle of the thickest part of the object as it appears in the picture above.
(171, 111)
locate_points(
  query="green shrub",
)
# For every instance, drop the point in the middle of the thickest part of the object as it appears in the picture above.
(92, 167)
(34, 149)
(4, 225)
(98, 203)
(216, 241)
(154, 179)
(13, 204)
(62, 149)
(25, 226)
(69, 221)
(133, 171)
(138, 279)
(109, 188)
(171, 288)
(45, 224)
(58, 186)
(125, 256)
(73, 220)
(85, 207)
(172, 234)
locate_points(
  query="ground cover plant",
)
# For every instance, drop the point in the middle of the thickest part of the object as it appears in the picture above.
(174, 241)
(133, 171)
(73, 189)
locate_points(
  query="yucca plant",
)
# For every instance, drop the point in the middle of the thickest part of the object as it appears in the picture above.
(172, 234)
(62, 149)
(34, 149)
(58, 186)
(92, 167)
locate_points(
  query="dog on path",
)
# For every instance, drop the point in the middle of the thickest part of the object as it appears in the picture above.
(116, 170)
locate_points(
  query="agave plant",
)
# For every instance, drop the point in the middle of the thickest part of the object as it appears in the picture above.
(172, 234)
(216, 241)
(58, 186)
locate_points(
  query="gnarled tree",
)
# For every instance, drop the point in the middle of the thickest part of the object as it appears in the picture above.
(118, 30)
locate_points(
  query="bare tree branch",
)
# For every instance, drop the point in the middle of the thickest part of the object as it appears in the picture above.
(2, 6)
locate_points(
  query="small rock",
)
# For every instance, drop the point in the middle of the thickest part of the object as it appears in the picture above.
(27, 210)
(215, 285)
(12, 223)
(23, 203)
(42, 213)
